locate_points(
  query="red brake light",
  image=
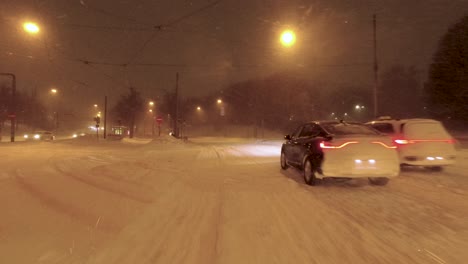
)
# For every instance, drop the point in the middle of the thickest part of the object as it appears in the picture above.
(383, 144)
(411, 141)
(402, 141)
(328, 145)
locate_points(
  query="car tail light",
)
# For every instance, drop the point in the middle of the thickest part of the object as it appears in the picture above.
(329, 145)
(383, 144)
(402, 141)
(412, 141)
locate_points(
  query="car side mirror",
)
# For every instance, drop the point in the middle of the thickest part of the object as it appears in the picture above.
(287, 137)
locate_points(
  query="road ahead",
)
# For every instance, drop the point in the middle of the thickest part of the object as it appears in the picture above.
(217, 201)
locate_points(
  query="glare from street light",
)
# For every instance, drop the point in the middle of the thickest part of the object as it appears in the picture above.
(95, 105)
(198, 108)
(219, 101)
(288, 38)
(54, 91)
(151, 110)
(151, 103)
(31, 27)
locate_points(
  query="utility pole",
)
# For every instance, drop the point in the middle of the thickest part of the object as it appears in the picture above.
(12, 107)
(376, 68)
(105, 116)
(176, 119)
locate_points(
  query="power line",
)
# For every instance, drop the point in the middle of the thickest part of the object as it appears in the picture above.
(109, 28)
(107, 13)
(196, 11)
(171, 23)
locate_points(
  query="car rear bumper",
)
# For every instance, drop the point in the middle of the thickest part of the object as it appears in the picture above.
(428, 160)
(359, 168)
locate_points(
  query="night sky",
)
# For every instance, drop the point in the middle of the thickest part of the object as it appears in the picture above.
(87, 49)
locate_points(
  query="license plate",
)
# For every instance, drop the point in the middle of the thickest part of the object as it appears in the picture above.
(364, 165)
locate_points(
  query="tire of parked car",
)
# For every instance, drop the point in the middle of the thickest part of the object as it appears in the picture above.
(284, 161)
(309, 172)
(378, 180)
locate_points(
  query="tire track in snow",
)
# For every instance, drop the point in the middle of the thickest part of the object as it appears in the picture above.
(62, 207)
(140, 197)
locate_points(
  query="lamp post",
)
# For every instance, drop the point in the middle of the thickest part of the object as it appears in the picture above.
(54, 91)
(12, 106)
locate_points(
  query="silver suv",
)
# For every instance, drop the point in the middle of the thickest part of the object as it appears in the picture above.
(420, 142)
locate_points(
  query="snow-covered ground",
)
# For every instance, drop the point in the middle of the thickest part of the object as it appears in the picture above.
(217, 200)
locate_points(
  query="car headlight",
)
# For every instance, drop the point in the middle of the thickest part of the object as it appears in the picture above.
(25, 136)
(37, 136)
(75, 135)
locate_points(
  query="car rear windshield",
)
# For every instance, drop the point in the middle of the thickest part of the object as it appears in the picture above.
(349, 129)
(426, 130)
(385, 128)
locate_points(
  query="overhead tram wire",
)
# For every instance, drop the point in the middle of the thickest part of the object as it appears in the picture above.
(169, 24)
(107, 13)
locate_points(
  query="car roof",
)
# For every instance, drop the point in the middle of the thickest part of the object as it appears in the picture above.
(406, 120)
(331, 122)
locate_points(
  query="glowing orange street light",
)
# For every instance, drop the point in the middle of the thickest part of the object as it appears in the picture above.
(54, 91)
(288, 38)
(198, 108)
(151, 103)
(219, 101)
(31, 27)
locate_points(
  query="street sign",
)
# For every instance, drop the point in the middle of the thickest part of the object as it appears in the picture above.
(159, 120)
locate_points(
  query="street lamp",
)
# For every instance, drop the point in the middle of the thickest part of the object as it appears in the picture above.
(151, 103)
(95, 105)
(31, 27)
(219, 101)
(288, 38)
(198, 108)
(54, 92)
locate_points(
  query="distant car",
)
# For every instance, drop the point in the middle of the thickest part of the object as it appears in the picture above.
(420, 142)
(79, 134)
(40, 135)
(340, 149)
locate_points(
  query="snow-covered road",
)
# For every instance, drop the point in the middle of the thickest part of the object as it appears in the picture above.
(217, 200)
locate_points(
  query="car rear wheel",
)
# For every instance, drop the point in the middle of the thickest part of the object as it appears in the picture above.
(309, 173)
(378, 180)
(284, 161)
